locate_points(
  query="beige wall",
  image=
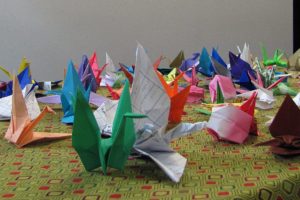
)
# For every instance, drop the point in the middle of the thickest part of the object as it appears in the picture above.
(51, 32)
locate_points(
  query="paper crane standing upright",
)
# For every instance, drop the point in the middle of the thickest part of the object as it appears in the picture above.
(178, 98)
(68, 94)
(285, 130)
(20, 131)
(95, 151)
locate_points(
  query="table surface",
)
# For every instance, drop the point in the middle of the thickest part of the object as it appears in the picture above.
(215, 170)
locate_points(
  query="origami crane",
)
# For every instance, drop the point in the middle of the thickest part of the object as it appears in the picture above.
(110, 76)
(246, 55)
(294, 61)
(178, 98)
(215, 55)
(196, 93)
(283, 89)
(20, 130)
(205, 65)
(86, 75)
(95, 151)
(276, 60)
(265, 99)
(149, 97)
(95, 67)
(226, 87)
(285, 130)
(245, 81)
(233, 124)
(190, 62)
(176, 63)
(238, 66)
(72, 83)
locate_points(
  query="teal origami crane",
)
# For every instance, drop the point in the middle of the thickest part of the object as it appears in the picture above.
(95, 151)
(72, 83)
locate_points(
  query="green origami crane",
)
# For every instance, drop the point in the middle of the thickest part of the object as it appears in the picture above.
(95, 151)
(220, 96)
(276, 60)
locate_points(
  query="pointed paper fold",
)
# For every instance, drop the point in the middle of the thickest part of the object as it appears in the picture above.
(95, 151)
(115, 95)
(20, 131)
(264, 100)
(215, 55)
(72, 83)
(220, 97)
(276, 60)
(178, 98)
(294, 61)
(126, 72)
(229, 123)
(238, 66)
(283, 89)
(245, 81)
(285, 129)
(190, 62)
(86, 75)
(246, 54)
(205, 66)
(249, 107)
(220, 69)
(176, 63)
(226, 87)
(149, 96)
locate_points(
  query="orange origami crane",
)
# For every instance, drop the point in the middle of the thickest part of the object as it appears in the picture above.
(20, 130)
(178, 98)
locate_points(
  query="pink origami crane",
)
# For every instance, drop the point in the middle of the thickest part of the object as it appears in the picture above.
(233, 124)
(226, 86)
(94, 65)
(20, 130)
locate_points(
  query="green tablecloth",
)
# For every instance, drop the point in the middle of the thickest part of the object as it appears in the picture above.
(215, 170)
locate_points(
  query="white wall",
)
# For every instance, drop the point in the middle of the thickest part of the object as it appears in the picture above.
(49, 33)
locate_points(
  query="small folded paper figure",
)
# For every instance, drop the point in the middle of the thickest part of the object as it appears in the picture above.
(238, 66)
(196, 94)
(95, 151)
(96, 70)
(170, 77)
(205, 65)
(110, 76)
(283, 89)
(285, 129)
(215, 55)
(153, 140)
(294, 61)
(246, 54)
(30, 101)
(245, 81)
(86, 75)
(193, 79)
(20, 130)
(190, 62)
(72, 83)
(233, 124)
(126, 72)
(178, 98)
(220, 69)
(226, 87)
(24, 77)
(176, 63)
(114, 94)
(265, 98)
(276, 60)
